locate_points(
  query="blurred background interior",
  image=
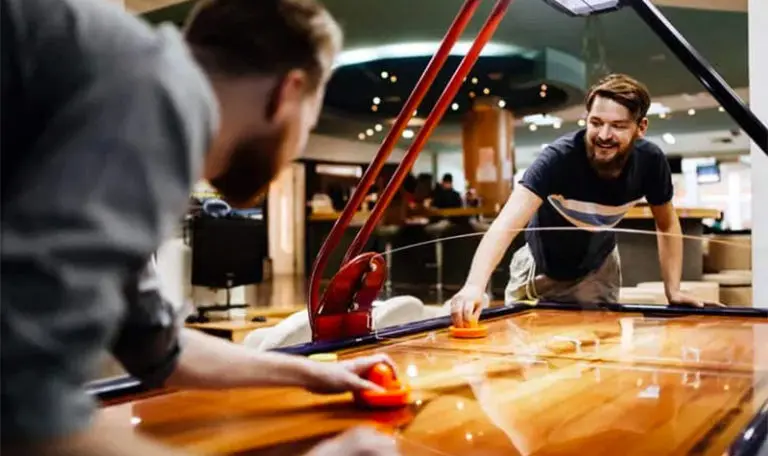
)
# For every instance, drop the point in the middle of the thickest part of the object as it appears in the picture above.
(526, 90)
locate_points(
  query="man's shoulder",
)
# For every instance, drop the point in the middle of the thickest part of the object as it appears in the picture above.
(567, 146)
(649, 155)
(648, 149)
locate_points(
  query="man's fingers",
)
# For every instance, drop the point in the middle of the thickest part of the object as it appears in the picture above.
(358, 383)
(457, 314)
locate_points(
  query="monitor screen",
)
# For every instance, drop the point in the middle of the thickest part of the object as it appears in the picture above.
(228, 252)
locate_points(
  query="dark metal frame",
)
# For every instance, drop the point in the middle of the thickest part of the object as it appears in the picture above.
(702, 70)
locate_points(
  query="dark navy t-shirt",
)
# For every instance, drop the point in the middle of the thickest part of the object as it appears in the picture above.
(575, 196)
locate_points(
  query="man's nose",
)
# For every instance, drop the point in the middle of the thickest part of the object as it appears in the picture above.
(605, 132)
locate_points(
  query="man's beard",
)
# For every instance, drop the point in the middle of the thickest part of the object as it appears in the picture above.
(253, 164)
(615, 165)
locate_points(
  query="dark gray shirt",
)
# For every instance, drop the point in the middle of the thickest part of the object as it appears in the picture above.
(104, 125)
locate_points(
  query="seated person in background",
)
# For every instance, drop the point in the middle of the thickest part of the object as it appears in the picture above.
(444, 196)
(585, 182)
(106, 124)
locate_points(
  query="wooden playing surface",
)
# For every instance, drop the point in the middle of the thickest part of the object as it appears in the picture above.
(543, 382)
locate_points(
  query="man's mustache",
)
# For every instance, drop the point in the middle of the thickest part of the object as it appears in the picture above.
(606, 144)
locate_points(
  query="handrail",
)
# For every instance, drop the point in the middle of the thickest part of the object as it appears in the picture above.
(427, 78)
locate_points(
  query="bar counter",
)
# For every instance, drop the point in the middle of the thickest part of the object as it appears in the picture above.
(444, 265)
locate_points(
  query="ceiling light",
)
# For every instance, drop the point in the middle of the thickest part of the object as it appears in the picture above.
(362, 55)
(415, 112)
(691, 112)
(408, 134)
(376, 100)
(384, 75)
(543, 87)
(361, 136)
(582, 122)
(393, 78)
(533, 127)
(542, 120)
(471, 94)
(543, 94)
(374, 108)
(474, 80)
(369, 132)
(378, 127)
(455, 106)
(721, 109)
(584, 7)
(486, 90)
(663, 115)
(668, 138)
(557, 125)
(658, 108)
(502, 103)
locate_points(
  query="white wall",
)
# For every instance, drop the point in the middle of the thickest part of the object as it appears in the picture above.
(758, 74)
(328, 148)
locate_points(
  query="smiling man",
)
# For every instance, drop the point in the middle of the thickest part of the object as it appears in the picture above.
(579, 185)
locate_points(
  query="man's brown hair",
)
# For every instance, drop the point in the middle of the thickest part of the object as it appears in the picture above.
(263, 37)
(624, 90)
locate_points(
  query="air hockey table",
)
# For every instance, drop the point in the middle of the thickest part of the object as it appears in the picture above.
(551, 379)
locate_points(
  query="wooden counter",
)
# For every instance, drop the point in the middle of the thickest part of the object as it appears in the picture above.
(637, 212)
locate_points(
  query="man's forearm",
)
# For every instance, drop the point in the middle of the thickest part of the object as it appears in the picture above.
(670, 244)
(515, 215)
(207, 362)
(490, 251)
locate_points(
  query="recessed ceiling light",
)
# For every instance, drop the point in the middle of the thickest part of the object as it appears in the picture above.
(384, 75)
(582, 122)
(662, 115)
(407, 134)
(369, 132)
(557, 125)
(533, 127)
(378, 127)
(691, 112)
(721, 109)
(502, 103)
(361, 136)
(471, 94)
(543, 87)
(376, 100)
(393, 78)
(374, 108)
(486, 90)
(455, 106)
(474, 80)
(543, 94)
(668, 138)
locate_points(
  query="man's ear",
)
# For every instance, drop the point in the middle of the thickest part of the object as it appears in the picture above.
(642, 127)
(288, 94)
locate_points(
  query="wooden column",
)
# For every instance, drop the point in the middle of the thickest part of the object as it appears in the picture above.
(489, 159)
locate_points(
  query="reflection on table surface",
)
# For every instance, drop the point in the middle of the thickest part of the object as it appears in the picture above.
(543, 382)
